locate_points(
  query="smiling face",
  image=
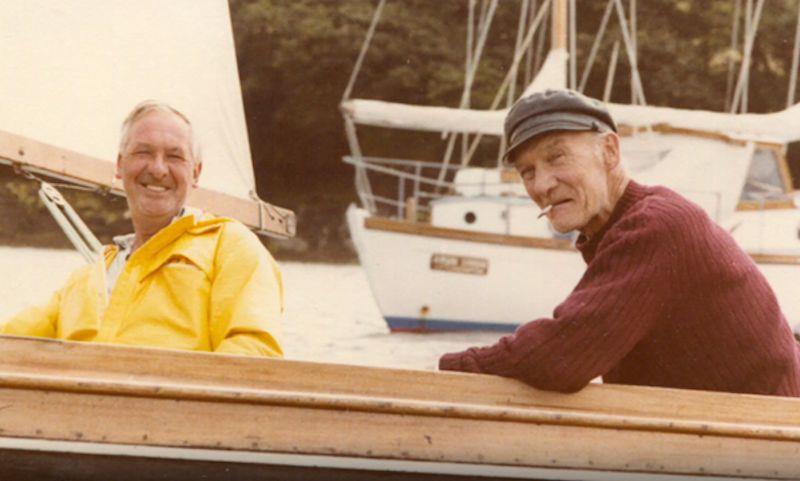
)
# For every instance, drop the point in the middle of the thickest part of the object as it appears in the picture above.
(157, 167)
(572, 173)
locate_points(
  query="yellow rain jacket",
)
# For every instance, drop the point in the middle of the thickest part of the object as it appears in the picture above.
(206, 285)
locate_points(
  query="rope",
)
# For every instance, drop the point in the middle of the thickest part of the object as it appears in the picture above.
(370, 32)
(271, 211)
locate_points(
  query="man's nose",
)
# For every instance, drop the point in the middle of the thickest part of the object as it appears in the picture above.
(158, 166)
(543, 183)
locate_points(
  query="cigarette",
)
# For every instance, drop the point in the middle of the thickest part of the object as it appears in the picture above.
(545, 211)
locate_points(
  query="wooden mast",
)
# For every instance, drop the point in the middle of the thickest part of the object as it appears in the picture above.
(558, 39)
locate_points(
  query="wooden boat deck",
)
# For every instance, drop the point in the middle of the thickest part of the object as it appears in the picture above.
(118, 409)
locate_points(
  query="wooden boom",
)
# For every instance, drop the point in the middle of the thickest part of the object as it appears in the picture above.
(39, 157)
(121, 411)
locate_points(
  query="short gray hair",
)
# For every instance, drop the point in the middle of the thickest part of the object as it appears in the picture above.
(147, 106)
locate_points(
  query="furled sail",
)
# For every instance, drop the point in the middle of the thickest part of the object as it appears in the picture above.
(783, 126)
(72, 71)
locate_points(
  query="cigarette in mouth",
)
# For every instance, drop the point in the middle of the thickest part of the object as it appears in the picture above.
(545, 211)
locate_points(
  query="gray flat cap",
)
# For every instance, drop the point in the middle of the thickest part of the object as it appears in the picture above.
(550, 111)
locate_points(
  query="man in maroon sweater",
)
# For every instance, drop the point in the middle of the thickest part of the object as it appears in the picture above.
(668, 298)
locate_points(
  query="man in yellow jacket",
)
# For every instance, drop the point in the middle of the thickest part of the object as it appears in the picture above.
(182, 280)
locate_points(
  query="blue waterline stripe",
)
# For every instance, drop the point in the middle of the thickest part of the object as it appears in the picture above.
(416, 324)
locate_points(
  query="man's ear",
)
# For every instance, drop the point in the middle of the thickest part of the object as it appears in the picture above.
(198, 167)
(611, 156)
(116, 170)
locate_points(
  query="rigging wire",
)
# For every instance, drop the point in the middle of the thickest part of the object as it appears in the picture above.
(748, 22)
(795, 55)
(517, 58)
(483, 29)
(740, 94)
(370, 32)
(737, 14)
(78, 233)
(634, 47)
(467, 63)
(363, 187)
(612, 70)
(523, 14)
(510, 97)
(587, 69)
(636, 80)
(529, 54)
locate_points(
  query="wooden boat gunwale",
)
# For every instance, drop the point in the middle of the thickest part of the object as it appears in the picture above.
(153, 399)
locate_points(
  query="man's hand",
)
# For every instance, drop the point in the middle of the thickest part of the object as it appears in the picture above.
(459, 361)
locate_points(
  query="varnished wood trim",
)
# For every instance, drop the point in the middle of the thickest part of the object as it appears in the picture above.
(775, 259)
(770, 204)
(786, 172)
(379, 405)
(62, 163)
(402, 227)
(155, 398)
(109, 365)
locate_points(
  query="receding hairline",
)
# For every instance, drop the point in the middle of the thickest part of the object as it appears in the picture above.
(149, 106)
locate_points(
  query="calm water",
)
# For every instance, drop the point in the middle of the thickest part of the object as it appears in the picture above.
(330, 314)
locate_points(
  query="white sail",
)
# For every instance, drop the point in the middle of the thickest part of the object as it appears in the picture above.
(71, 71)
(783, 126)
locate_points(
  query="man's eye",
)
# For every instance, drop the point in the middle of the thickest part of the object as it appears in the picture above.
(175, 157)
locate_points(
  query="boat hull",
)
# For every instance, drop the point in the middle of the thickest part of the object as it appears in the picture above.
(434, 279)
(73, 410)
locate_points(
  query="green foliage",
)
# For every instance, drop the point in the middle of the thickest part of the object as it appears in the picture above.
(295, 58)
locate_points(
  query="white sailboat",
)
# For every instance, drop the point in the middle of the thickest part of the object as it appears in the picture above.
(472, 242)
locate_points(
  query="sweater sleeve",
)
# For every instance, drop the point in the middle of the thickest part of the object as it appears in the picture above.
(626, 288)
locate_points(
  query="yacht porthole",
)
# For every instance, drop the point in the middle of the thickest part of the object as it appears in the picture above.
(470, 217)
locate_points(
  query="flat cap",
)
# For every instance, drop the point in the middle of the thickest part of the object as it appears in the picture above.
(550, 111)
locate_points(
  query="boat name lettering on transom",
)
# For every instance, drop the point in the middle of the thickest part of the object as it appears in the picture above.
(465, 265)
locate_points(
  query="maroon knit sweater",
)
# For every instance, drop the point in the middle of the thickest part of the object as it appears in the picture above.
(668, 299)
